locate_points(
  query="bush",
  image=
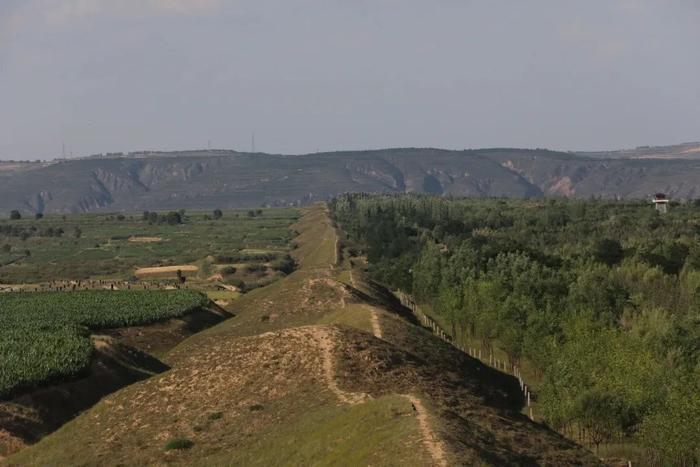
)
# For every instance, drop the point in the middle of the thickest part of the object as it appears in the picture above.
(179, 443)
(229, 270)
(608, 251)
(285, 265)
(253, 268)
(173, 218)
(15, 215)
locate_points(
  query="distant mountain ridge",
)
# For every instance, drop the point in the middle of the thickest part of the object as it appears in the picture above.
(221, 178)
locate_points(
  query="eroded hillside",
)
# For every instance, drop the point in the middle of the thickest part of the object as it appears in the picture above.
(226, 179)
(321, 367)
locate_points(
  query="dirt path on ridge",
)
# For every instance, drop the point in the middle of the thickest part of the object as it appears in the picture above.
(432, 444)
(324, 339)
(374, 316)
(376, 327)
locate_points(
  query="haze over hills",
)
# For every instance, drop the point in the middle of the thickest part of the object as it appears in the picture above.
(202, 179)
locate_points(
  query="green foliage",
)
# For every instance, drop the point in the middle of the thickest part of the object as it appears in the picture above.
(608, 251)
(31, 355)
(672, 429)
(105, 249)
(601, 297)
(43, 335)
(179, 443)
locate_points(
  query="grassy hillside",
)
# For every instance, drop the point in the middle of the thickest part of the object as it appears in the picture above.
(318, 368)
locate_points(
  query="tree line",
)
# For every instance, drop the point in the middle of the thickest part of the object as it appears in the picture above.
(600, 298)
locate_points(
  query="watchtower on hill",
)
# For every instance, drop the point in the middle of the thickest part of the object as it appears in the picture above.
(660, 202)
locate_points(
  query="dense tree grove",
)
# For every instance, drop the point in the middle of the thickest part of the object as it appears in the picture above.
(600, 298)
(170, 218)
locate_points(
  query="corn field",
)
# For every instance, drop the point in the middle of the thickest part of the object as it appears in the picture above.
(44, 336)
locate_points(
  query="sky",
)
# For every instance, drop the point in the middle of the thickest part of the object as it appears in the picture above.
(318, 75)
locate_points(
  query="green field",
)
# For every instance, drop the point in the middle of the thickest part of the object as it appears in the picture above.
(113, 246)
(45, 335)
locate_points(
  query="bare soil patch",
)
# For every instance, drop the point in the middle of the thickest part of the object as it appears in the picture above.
(145, 239)
(166, 269)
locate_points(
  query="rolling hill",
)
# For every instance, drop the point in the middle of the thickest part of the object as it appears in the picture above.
(206, 179)
(321, 367)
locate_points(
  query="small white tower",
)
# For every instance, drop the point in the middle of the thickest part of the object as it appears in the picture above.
(660, 202)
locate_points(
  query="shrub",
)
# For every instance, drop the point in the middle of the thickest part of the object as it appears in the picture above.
(229, 270)
(608, 251)
(286, 264)
(173, 218)
(179, 443)
(252, 268)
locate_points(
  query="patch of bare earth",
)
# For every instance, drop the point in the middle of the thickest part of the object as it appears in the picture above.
(166, 269)
(145, 239)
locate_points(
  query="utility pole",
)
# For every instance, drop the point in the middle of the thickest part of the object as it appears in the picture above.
(252, 143)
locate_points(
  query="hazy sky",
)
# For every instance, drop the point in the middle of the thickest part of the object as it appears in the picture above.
(121, 75)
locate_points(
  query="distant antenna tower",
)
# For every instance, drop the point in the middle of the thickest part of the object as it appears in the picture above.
(63, 149)
(209, 145)
(252, 143)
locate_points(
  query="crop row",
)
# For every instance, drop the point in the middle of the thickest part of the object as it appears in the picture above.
(44, 336)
